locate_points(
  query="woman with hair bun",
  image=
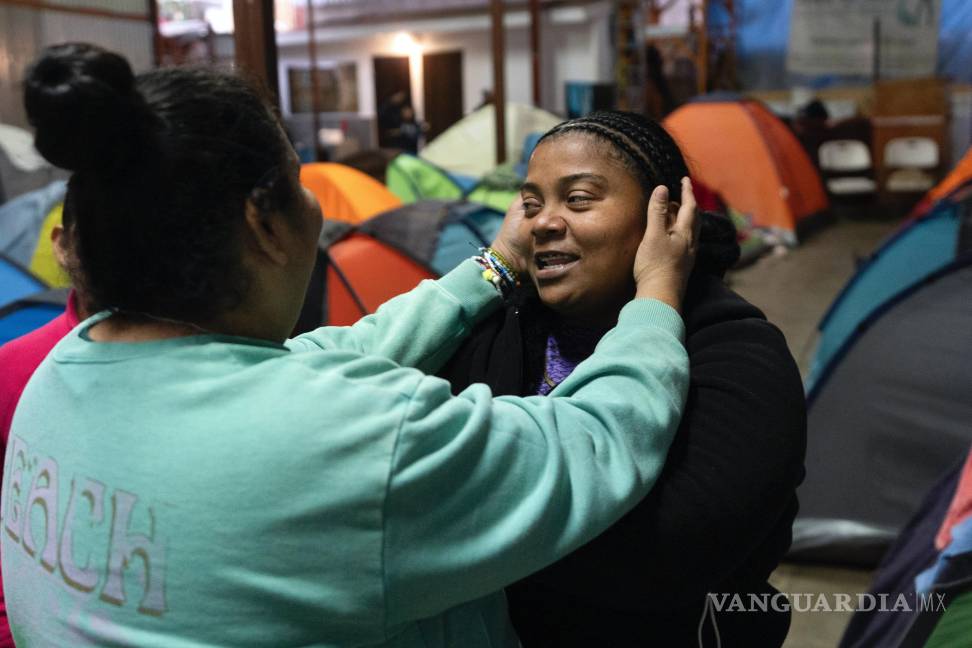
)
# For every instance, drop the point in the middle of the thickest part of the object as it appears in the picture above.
(179, 473)
(718, 520)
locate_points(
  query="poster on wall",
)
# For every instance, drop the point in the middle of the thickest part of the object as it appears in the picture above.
(837, 37)
(337, 88)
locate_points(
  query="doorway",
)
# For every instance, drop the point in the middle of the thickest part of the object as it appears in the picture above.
(391, 77)
(442, 92)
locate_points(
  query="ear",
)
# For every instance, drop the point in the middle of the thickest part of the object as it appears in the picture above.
(60, 254)
(267, 234)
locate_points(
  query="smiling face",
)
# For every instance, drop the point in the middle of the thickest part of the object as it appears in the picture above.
(584, 218)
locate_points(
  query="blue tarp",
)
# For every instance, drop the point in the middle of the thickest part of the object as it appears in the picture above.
(763, 31)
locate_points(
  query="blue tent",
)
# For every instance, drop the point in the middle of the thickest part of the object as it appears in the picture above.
(22, 219)
(465, 229)
(30, 313)
(912, 254)
(888, 401)
(16, 281)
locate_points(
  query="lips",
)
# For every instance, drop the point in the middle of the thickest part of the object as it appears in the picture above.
(553, 264)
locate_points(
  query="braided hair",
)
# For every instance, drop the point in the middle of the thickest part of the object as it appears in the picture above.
(649, 153)
(639, 143)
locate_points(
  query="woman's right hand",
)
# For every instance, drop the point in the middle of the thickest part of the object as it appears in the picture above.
(667, 252)
(510, 241)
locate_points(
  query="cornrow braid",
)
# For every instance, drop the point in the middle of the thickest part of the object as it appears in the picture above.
(641, 144)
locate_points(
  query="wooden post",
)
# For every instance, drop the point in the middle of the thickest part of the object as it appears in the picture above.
(255, 41)
(499, 81)
(535, 48)
(314, 82)
(153, 9)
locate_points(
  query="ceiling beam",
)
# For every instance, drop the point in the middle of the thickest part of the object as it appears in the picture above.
(454, 12)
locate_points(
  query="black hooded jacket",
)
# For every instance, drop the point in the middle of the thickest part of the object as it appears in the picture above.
(719, 518)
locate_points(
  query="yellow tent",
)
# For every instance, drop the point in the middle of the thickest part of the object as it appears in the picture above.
(43, 263)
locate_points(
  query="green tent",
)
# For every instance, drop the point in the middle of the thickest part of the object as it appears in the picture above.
(498, 188)
(953, 626)
(498, 199)
(412, 179)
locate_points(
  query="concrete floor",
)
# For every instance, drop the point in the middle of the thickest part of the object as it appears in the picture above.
(794, 288)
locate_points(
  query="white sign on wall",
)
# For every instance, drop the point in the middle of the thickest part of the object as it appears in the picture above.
(837, 37)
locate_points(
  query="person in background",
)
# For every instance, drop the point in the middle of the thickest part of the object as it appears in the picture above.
(409, 131)
(180, 473)
(20, 358)
(811, 126)
(486, 98)
(390, 117)
(719, 519)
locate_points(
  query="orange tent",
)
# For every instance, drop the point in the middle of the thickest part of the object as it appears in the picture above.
(346, 194)
(353, 275)
(747, 155)
(961, 174)
(375, 273)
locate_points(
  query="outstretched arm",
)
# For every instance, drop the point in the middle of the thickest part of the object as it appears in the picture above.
(425, 326)
(421, 328)
(484, 491)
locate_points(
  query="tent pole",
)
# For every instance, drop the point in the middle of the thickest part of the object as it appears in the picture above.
(499, 82)
(535, 48)
(876, 39)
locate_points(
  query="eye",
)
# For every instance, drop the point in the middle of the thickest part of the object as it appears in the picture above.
(579, 199)
(531, 205)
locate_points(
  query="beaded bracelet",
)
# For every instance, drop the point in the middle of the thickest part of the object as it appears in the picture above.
(496, 270)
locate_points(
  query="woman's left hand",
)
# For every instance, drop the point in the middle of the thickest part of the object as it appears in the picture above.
(667, 252)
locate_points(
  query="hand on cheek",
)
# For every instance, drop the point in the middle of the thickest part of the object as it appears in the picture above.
(513, 239)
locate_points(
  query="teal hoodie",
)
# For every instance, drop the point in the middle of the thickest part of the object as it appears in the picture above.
(220, 491)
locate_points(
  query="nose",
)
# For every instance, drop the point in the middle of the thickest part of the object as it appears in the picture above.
(548, 224)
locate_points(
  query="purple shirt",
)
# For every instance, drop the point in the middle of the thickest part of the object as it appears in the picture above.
(566, 347)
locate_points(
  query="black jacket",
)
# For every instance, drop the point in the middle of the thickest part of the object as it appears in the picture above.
(718, 519)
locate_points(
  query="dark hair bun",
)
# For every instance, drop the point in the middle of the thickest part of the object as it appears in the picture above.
(82, 101)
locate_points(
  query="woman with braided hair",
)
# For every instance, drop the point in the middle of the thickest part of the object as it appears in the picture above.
(718, 520)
